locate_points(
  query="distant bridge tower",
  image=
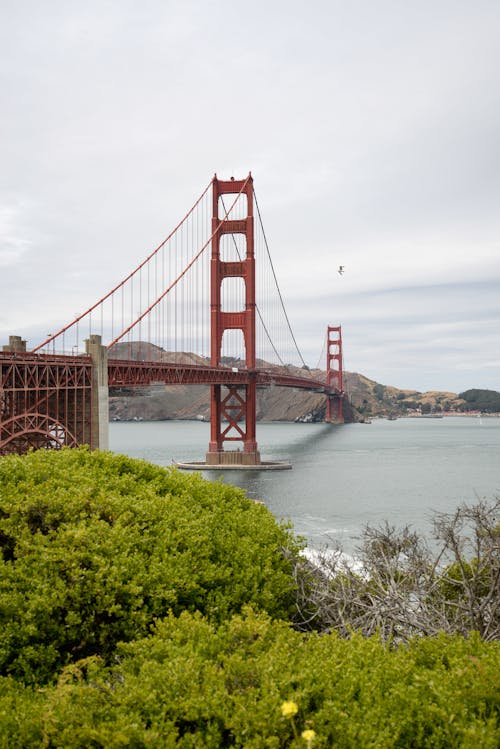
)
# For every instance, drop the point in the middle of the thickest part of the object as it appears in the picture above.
(233, 408)
(334, 366)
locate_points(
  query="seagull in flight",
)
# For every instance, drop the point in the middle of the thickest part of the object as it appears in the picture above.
(341, 270)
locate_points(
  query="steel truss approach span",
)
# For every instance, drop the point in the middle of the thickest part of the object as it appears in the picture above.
(209, 289)
(45, 402)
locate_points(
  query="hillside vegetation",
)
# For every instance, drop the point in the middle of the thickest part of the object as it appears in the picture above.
(370, 398)
(487, 401)
(141, 607)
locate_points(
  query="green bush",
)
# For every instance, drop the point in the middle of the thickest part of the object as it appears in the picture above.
(145, 608)
(96, 546)
(194, 684)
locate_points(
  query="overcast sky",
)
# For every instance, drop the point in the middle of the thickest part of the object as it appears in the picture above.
(371, 128)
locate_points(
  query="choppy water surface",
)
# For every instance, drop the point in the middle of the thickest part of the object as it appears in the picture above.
(344, 477)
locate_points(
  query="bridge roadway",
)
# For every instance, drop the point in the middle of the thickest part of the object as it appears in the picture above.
(128, 373)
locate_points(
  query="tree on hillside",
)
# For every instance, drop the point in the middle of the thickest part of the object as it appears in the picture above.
(481, 400)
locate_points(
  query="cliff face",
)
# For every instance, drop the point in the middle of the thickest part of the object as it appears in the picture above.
(192, 402)
(160, 402)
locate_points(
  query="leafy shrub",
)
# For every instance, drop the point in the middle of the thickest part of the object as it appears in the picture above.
(96, 546)
(194, 684)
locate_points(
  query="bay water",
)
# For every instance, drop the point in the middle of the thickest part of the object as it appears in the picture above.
(345, 477)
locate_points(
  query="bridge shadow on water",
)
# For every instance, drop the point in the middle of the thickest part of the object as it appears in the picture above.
(298, 444)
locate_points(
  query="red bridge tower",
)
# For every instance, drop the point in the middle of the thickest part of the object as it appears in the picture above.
(233, 408)
(334, 366)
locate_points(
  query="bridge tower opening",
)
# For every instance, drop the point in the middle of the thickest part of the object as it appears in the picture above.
(233, 407)
(334, 375)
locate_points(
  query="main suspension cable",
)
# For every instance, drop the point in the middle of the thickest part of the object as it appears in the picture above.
(256, 305)
(130, 275)
(183, 272)
(276, 282)
(322, 355)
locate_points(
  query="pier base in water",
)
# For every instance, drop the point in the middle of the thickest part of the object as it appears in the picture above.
(233, 457)
(265, 465)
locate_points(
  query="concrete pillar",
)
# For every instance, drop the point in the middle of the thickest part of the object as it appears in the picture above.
(15, 345)
(335, 409)
(99, 438)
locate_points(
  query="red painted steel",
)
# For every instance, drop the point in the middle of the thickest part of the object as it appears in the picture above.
(130, 373)
(237, 407)
(334, 375)
(44, 401)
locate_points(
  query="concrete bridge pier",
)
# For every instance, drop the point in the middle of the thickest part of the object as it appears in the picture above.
(99, 431)
(335, 409)
(16, 345)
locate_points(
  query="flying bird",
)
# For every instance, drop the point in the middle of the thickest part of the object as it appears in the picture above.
(341, 270)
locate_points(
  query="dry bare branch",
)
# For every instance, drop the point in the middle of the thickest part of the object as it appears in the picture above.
(401, 586)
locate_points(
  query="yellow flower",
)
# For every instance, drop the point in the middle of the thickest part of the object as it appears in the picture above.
(289, 709)
(309, 735)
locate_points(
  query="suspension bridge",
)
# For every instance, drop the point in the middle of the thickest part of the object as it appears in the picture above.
(204, 307)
